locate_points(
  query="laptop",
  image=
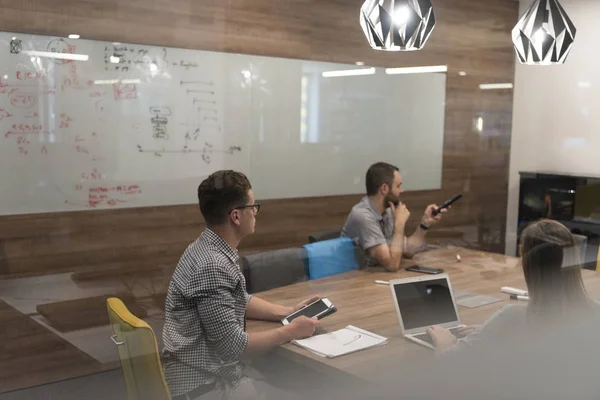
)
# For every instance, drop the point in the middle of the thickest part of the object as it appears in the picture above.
(422, 302)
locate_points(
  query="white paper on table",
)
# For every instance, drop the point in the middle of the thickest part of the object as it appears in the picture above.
(343, 341)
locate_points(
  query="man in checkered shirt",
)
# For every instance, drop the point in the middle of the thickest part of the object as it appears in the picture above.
(207, 303)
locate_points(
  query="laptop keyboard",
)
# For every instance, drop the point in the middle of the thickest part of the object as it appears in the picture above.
(427, 339)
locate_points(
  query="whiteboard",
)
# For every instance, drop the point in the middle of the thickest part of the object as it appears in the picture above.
(94, 125)
(350, 122)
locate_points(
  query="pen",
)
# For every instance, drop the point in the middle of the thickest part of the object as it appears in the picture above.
(353, 340)
(519, 297)
(512, 290)
(382, 282)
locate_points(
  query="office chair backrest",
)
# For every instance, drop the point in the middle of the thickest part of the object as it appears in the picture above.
(325, 235)
(272, 269)
(331, 257)
(138, 352)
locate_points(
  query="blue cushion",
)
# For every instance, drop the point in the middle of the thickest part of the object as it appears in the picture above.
(331, 257)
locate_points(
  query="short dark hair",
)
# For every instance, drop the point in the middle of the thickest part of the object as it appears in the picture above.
(378, 174)
(220, 193)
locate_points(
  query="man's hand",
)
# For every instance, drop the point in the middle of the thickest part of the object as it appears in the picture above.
(428, 218)
(400, 214)
(303, 327)
(304, 303)
(442, 338)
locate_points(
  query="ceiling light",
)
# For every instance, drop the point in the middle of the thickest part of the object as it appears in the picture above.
(114, 59)
(479, 124)
(153, 67)
(74, 36)
(349, 72)
(106, 82)
(114, 81)
(401, 15)
(544, 34)
(495, 86)
(397, 25)
(416, 70)
(60, 56)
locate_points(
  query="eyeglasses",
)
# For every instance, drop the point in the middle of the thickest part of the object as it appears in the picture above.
(255, 208)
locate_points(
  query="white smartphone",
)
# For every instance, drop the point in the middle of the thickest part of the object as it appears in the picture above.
(319, 309)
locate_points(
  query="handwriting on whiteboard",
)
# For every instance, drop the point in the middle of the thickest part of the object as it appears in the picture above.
(34, 130)
(27, 127)
(61, 127)
(60, 46)
(185, 64)
(95, 175)
(65, 120)
(23, 100)
(24, 75)
(4, 114)
(125, 91)
(111, 195)
(123, 57)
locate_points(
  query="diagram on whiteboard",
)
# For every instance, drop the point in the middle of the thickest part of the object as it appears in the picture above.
(84, 129)
(200, 97)
(159, 122)
(205, 152)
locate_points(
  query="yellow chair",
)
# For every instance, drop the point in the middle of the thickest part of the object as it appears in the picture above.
(138, 351)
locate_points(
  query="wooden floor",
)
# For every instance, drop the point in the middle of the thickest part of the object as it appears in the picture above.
(107, 385)
(32, 355)
(55, 328)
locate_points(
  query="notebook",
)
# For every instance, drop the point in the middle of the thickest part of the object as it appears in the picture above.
(343, 341)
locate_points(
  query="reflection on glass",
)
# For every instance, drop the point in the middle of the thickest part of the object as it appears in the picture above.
(304, 110)
(479, 124)
(343, 124)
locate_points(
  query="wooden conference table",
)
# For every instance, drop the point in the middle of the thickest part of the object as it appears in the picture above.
(363, 303)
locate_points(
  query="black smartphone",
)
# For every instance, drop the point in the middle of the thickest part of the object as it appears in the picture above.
(425, 270)
(446, 204)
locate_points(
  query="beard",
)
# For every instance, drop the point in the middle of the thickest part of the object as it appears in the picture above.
(391, 198)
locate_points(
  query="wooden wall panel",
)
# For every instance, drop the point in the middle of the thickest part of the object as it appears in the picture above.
(471, 36)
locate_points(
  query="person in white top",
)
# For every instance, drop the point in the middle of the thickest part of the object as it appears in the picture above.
(557, 296)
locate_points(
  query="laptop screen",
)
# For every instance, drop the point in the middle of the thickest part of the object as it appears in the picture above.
(425, 303)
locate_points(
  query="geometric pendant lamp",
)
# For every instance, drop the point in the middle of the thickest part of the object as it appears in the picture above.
(397, 25)
(544, 34)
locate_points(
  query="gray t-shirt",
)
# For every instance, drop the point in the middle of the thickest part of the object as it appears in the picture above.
(368, 228)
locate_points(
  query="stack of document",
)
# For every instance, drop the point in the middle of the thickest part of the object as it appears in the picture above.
(344, 341)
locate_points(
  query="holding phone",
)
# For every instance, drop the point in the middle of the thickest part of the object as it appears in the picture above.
(319, 309)
(425, 270)
(446, 204)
